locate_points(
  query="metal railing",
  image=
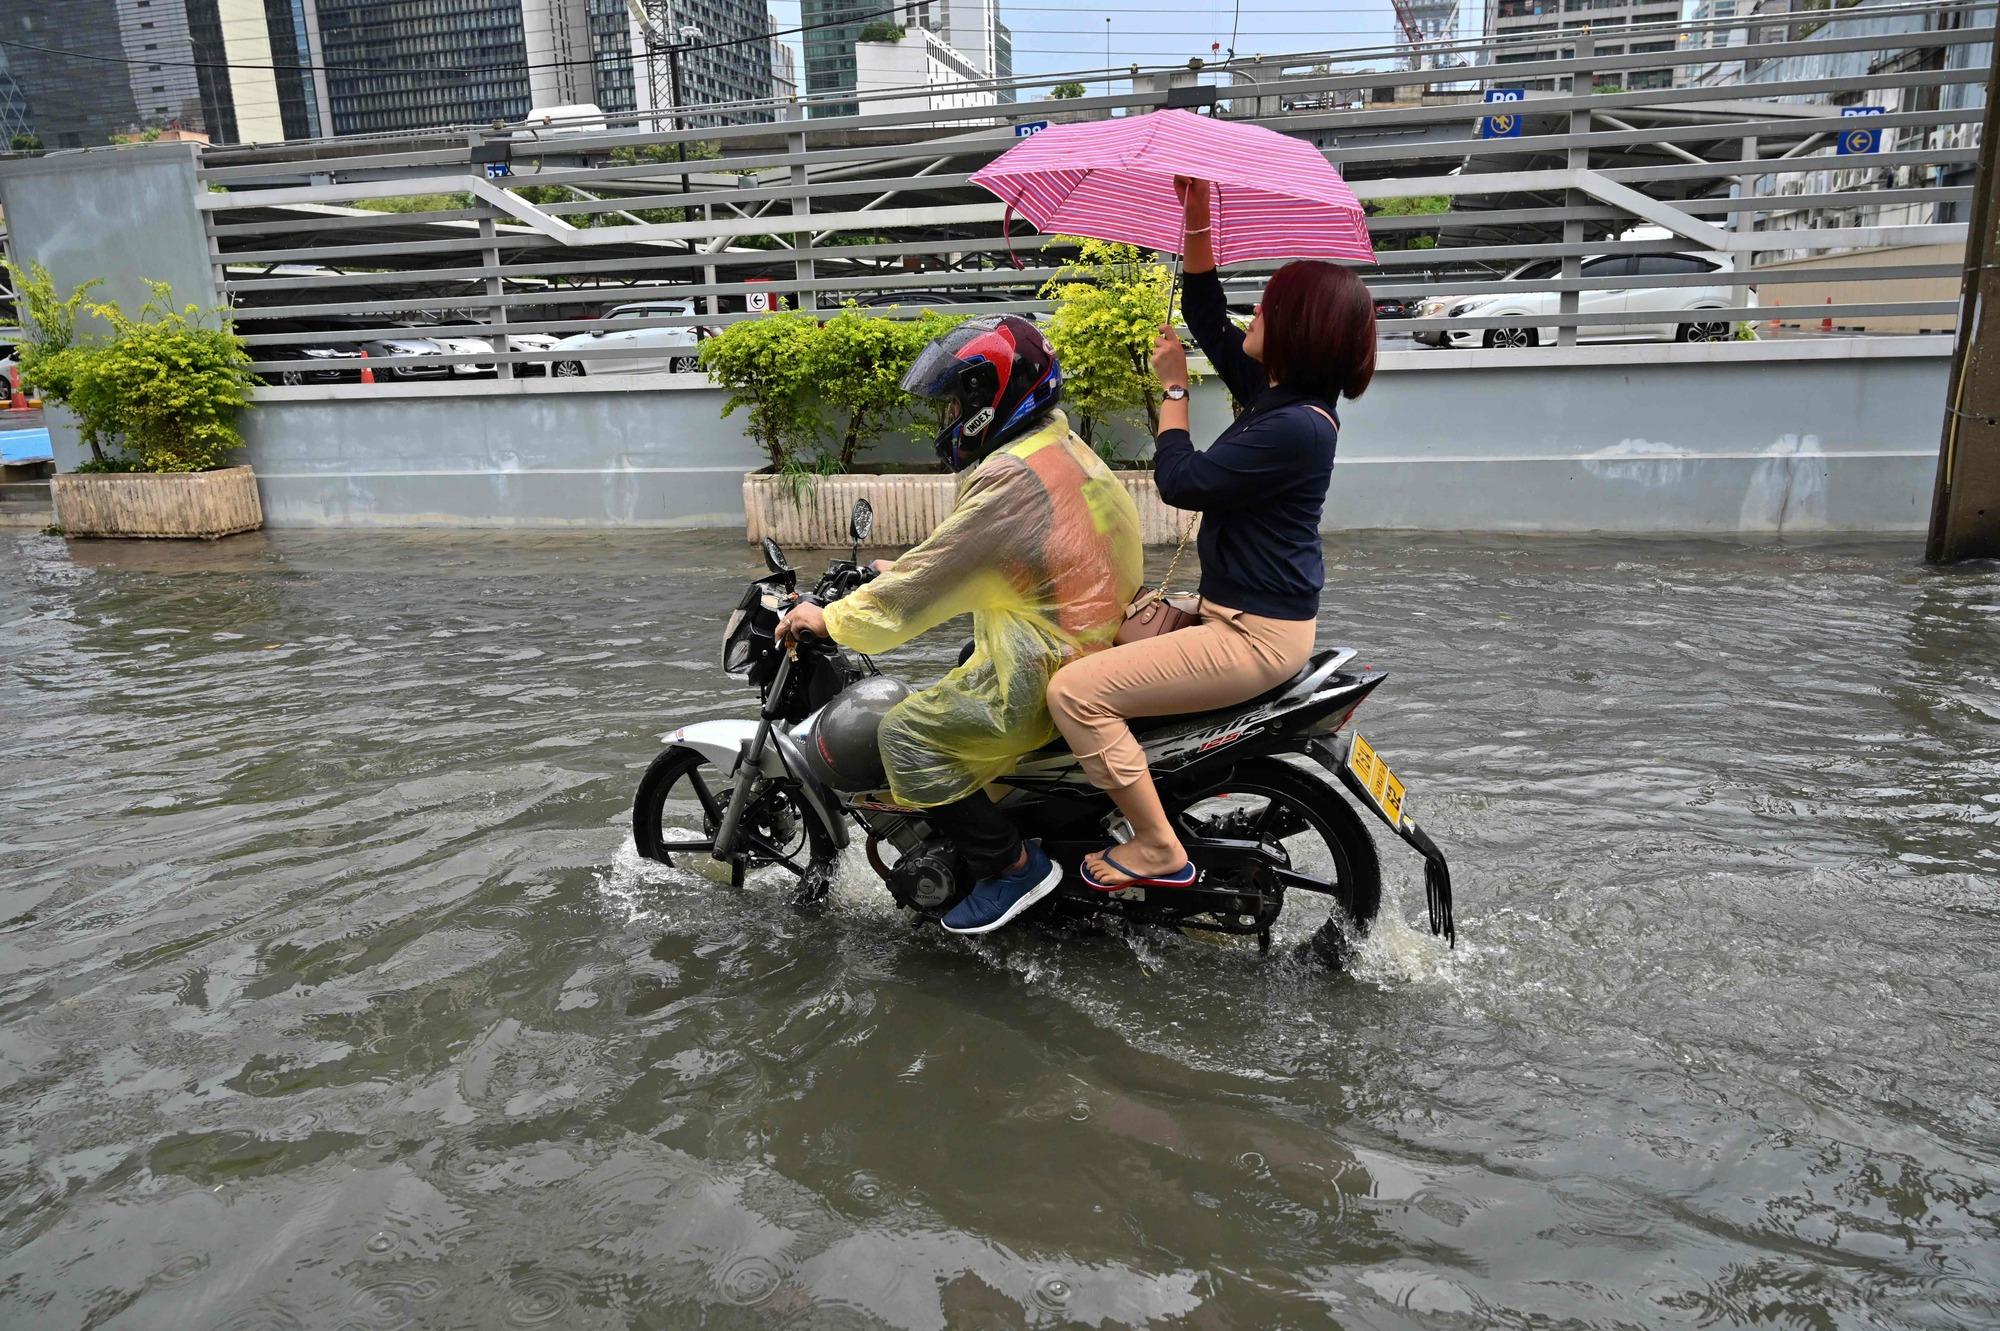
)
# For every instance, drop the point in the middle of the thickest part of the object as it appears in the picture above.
(515, 232)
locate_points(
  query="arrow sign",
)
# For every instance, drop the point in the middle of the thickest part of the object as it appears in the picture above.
(1859, 142)
(1504, 124)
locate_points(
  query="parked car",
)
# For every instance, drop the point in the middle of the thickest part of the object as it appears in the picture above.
(531, 369)
(408, 345)
(638, 327)
(334, 358)
(1516, 294)
(1396, 307)
(469, 346)
(334, 363)
(948, 298)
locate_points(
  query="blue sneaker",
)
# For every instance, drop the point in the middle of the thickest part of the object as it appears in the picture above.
(994, 901)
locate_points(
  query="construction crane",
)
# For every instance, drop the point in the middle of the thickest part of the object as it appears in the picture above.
(1426, 25)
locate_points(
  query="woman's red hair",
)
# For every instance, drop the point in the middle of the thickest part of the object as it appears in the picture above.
(1319, 330)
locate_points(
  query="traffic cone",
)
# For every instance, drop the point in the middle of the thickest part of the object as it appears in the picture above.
(367, 375)
(1773, 325)
(1826, 324)
(19, 401)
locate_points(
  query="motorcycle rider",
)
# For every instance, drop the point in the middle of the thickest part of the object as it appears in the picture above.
(1042, 548)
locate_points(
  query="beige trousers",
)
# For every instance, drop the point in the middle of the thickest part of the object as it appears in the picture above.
(1227, 658)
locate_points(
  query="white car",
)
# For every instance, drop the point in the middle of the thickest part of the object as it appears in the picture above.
(1516, 294)
(528, 369)
(468, 346)
(666, 350)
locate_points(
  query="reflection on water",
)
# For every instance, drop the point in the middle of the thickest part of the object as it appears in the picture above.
(332, 994)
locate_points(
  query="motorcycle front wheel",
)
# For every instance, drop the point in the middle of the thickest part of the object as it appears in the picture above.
(1325, 845)
(679, 806)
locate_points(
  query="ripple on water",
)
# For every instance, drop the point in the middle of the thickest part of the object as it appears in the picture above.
(750, 1279)
(390, 1299)
(539, 1298)
(1710, 809)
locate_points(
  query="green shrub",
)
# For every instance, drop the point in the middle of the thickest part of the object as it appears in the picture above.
(50, 326)
(161, 394)
(880, 31)
(820, 394)
(766, 365)
(1110, 304)
(858, 364)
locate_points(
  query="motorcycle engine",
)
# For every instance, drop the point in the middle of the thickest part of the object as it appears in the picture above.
(924, 879)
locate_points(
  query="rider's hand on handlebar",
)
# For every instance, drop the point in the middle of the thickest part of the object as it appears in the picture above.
(805, 617)
(883, 565)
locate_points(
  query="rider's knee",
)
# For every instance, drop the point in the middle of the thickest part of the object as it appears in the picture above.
(1065, 698)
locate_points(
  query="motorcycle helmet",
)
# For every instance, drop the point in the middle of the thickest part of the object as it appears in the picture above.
(997, 377)
(839, 742)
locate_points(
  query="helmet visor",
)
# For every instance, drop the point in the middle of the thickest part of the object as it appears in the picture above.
(935, 371)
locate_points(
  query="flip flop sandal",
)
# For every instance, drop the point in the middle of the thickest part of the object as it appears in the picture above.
(1184, 876)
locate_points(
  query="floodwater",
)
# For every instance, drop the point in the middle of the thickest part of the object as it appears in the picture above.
(332, 993)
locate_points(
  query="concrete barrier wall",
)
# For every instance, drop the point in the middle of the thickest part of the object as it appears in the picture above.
(1790, 436)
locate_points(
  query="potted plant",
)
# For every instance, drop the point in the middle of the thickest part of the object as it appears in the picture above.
(820, 395)
(156, 402)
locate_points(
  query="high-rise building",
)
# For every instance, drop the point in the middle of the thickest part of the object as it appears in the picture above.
(411, 64)
(1527, 30)
(1003, 59)
(970, 29)
(263, 70)
(17, 113)
(1718, 70)
(784, 74)
(730, 64)
(203, 65)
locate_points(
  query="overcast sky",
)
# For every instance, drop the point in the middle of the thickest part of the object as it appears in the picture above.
(1050, 37)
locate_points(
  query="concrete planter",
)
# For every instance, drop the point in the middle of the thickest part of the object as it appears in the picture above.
(908, 507)
(204, 504)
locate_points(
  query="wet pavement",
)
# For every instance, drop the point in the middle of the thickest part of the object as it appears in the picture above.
(332, 994)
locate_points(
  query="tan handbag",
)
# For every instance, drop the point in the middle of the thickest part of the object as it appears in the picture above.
(1156, 610)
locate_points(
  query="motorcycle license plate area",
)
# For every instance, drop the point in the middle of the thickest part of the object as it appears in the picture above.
(1374, 780)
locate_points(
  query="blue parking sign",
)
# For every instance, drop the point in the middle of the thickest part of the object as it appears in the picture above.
(1027, 129)
(1859, 142)
(1503, 124)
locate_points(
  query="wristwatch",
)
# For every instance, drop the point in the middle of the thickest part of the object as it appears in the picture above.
(1177, 393)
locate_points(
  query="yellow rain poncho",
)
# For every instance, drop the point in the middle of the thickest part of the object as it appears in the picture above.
(1042, 549)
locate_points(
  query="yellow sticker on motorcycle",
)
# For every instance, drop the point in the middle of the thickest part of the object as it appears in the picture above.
(1375, 777)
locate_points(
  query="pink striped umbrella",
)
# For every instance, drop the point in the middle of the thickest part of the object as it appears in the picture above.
(1275, 197)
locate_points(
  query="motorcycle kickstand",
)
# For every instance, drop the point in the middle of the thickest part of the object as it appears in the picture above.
(1263, 942)
(736, 871)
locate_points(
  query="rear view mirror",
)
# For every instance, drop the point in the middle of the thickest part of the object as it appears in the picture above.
(863, 521)
(774, 558)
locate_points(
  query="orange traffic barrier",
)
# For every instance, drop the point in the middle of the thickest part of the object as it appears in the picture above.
(1826, 324)
(19, 401)
(1773, 325)
(367, 375)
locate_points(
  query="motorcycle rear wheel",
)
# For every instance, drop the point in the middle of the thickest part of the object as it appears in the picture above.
(1297, 810)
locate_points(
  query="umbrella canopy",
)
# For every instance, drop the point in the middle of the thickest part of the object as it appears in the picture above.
(1275, 197)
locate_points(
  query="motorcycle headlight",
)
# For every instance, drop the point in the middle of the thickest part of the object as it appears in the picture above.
(736, 643)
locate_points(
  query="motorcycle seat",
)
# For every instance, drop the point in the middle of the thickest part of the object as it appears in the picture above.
(1313, 676)
(1303, 682)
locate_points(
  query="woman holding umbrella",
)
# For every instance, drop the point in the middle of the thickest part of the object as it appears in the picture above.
(1260, 488)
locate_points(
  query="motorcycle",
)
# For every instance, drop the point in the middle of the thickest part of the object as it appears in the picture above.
(1247, 788)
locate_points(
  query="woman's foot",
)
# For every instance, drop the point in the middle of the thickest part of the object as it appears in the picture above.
(1135, 864)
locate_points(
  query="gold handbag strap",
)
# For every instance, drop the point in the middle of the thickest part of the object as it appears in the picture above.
(1187, 530)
